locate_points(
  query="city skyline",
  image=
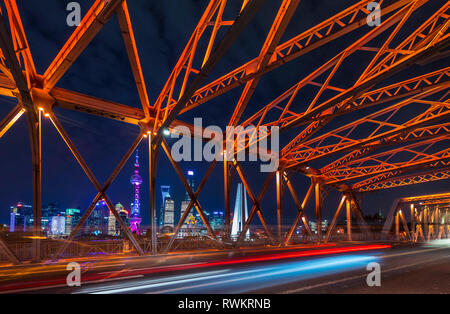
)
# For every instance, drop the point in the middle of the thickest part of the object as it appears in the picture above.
(98, 138)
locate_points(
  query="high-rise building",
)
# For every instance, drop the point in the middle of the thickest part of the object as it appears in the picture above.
(188, 223)
(58, 225)
(169, 212)
(217, 220)
(112, 230)
(240, 212)
(136, 181)
(123, 213)
(97, 222)
(73, 216)
(165, 192)
(21, 218)
(48, 212)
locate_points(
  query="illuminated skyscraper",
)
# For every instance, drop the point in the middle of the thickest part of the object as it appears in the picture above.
(165, 192)
(112, 231)
(240, 212)
(73, 216)
(136, 181)
(58, 225)
(97, 222)
(169, 209)
(21, 218)
(188, 224)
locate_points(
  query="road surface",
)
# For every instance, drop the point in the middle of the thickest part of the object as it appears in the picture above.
(342, 268)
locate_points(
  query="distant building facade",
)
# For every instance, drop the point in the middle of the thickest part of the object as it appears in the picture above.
(169, 212)
(21, 218)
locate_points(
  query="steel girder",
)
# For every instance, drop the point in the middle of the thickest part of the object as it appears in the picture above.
(430, 153)
(333, 28)
(386, 182)
(183, 92)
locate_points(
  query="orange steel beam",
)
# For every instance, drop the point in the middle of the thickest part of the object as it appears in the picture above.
(254, 199)
(414, 199)
(34, 129)
(431, 30)
(92, 23)
(375, 97)
(167, 94)
(333, 28)
(188, 209)
(10, 119)
(306, 152)
(126, 27)
(410, 179)
(191, 194)
(418, 53)
(414, 156)
(223, 46)
(426, 132)
(445, 201)
(96, 106)
(99, 195)
(301, 207)
(335, 217)
(378, 96)
(332, 65)
(382, 123)
(183, 92)
(345, 97)
(91, 105)
(100, 189)
(284, 16)
(385, 47)
(255, 208)
(19, 38)
(7, 85)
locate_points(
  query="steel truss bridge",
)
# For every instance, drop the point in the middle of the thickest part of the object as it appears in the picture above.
(378, 150)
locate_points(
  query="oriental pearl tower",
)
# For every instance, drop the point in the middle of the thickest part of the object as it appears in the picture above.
(136, 181)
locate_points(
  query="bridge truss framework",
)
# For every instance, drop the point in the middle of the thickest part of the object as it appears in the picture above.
(390, 154)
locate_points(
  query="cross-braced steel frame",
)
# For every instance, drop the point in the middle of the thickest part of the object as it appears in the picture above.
(377, 150)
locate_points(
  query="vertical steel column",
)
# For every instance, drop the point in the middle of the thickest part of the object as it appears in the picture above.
(301, 210)
(227, 186)
(405, 226)
(359, 216)
(279, 209)
(189, 208)
(349, 219)
(335, 218)
(318, 211)
(397, 226)
(37, 188)
(446, 225)
(243, 216)
(152, 158)
(255, 208)
(413, 221)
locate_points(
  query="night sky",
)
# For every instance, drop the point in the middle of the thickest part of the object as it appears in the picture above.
(162, 28)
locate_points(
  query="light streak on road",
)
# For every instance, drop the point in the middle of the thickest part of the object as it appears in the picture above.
(131, 272)
(244, 278)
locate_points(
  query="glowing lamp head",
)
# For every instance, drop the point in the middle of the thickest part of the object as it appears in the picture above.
(190, 173)
(166, 132)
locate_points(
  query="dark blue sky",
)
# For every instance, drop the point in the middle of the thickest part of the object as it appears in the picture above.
(162, 28)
